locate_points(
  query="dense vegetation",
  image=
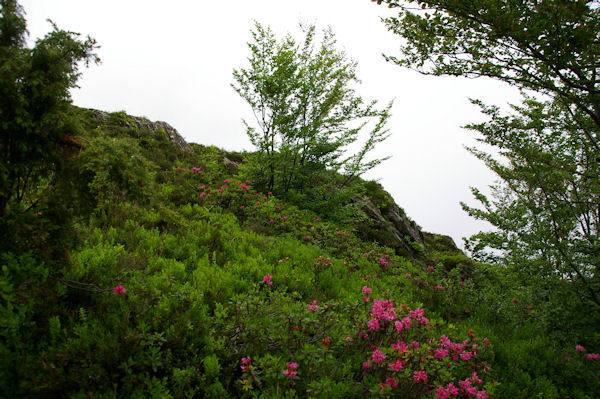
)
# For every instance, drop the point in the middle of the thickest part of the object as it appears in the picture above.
(137, 265)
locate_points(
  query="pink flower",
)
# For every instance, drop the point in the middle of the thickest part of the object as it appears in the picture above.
(593, 356)
(366, 365)
(400, 346)
(420, 376)
(307, 238)
(414, 345)
(366, 290)
(482, 394)
(267, 279)
(383, 262)
(313, 306)
(373, 324)
(440, 353)
(579, 348)
(326, 341)
(347, 339)
(466, 356)
(396, 365)
(515, 300)
(119, 290)
(430, 268)
(452, 389)
(442, 393)
(291, 368)
(378, 357)
(246, 363)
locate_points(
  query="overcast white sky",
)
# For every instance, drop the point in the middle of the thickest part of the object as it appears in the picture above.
(173, 61)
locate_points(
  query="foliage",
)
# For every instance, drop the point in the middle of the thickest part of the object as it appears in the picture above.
(545, 210)
(548, 47)
(187, 281)
(36, 133)
(307, 113)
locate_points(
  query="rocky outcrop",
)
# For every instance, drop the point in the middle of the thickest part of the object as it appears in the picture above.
(389, 225)
(159, 129)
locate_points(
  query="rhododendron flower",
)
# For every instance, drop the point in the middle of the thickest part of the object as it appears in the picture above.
(366, 365)
(119, 290)
(430, 268)
(579, 348)
(472, 391)
(440, 353)
(452, 389)
(373, 324)
(515, 300)
(400, 346)
(466, 356)
(378, 357)
(366, 290)
(347, 339)
(326, 341)
(383, 262)
(593, 356)
(366, 299)
(414, 345)
(383, 310)
(396, 365)
(290, 370)
(246, 363)
(391, 381)
(420, 376)
(482, 394)
(442, 393)
(313, 306)
(399, 326)
(267, 279)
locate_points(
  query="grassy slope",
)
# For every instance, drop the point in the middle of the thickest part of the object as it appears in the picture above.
(192, 246)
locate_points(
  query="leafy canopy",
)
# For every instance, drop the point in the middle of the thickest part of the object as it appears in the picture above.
(35, 128)
(546, 208)
(307, 111)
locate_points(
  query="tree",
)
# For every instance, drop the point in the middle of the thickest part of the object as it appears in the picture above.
(550, 47)
(546, 208)
(307, 112)
(36, 130)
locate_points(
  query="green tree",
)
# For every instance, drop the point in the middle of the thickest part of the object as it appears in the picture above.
(36, 131)
(550, 47)
(546, 209)
(307, 112)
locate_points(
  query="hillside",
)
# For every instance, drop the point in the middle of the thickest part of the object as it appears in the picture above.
(176, 278)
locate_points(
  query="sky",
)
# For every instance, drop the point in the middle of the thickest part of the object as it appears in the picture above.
(173, 61)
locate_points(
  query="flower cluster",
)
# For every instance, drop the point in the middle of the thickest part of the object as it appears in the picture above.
(290, 370)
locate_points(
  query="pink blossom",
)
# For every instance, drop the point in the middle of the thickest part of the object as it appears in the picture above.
(442, 393)
(452, 389)
(472, 391)
(593, 356)
(430, 268)
(383, 310)
(383, 262)
(378, 357)
(579, 348)
(326, 341)
(466, 356)
(373, 324)
(366, 365)
(347, 339)
(482, 394)
(366, 290)
(307, 238)
(119, 290)
(440, 353)
(515, 300)
(396, 365)
(420, 376)
(313, 306)
(246, 363)
(267, 279)
(400, 346)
